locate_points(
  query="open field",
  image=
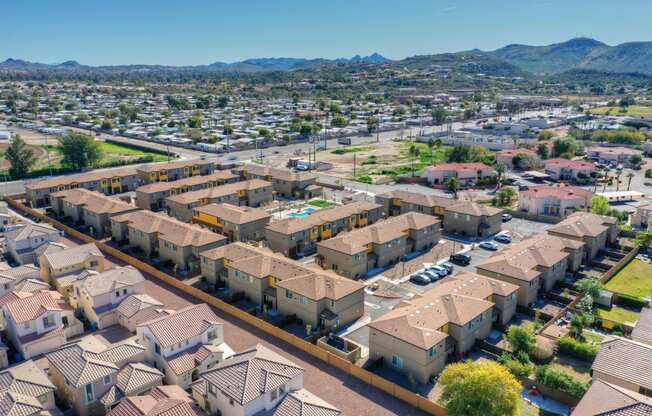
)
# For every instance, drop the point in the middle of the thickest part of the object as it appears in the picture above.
(635, 279)
(632, 110)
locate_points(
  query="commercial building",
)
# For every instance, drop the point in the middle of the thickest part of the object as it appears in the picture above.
(472, 220)
(419, 335)
(251, 193)
(158, 235)
(237, 223)
(373, 248)
(151, 196)
(286, 182)
(296, 236)
(467, 173)
(172, 171)
(595, 231)
(399, 202)
(534, 264)
(107, 182)
(554, 201)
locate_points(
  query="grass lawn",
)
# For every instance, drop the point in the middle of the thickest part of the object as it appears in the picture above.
(635, 279)
(321, 203)
(632, 110)
(577, 369)
(618, 314)
(593, 339)
(351, 149)
(527, 409)
(110, 153)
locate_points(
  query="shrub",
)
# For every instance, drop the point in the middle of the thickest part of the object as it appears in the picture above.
(648, 173)
(631, 301)
(577, 349)
(561, 381)
(365, 179)
(516, 367)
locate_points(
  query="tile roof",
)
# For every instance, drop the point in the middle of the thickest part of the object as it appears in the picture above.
(169, 229)
(523, 259)
(218, 191)
(17, 274)
(248, 375)
(111, 280)
(471, 208)
(31, 230)
(304, 403)
(323, 216)
(72, 255)
(620, 150)
(419, 198)
(20, 387)
(219, 175)
(32, 286)
(234, 214)
(269, 264)
(93, 176)
(606, 399)
(514, 152)
(30, 306)
(161, 401)
(133, 304)
(558, 192)
(49, 247)
(356, 241)
(276, 173)
(643, 329)
(135, 377)
(583, 224)
(320, 285)
(233, 251)
(189, 359)
(157, 167)
(13, 404)
(94, 201)
(627, 360)
(184, 324)
(570, 164)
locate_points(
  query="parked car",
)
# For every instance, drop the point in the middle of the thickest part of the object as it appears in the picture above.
(419, 279)
(432, 275)
(448, 266)
(441, 271)
(461, 259)
(488, 245)
(503, 238)
(507, 217)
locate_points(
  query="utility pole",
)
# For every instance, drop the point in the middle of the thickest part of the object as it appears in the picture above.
(354, 162)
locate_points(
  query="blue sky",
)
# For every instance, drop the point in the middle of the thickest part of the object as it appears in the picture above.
(194, 32)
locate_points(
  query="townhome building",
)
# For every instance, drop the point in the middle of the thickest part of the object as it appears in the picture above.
(472, 220)
(468, 174)
(89, 208)
(215, 262)
(595, 231)
(93, 376)
(554, 201)
(236, 223)
(25, 390)
(11, 278)
(254, 382)
(156, 234)
(152, 196)
(184, 343)
(624, 363)
(295, 237)
(604, 398)
(286, 182)
(642, 217)
(371, 249)
(71, 260)
(38, 322)
(22, 242)
(160, 401)
(251, 193)
(419, 335)
(534, 264)
(399, 202)
(173, 171)
(616, 155)
(108, 182)
(570, 170)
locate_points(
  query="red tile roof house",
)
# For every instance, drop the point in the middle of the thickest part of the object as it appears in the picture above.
(570, 170)
(38, 322)
(506, 157)
(161, 401)
(184, 343)
(467, 173)
(554, 201)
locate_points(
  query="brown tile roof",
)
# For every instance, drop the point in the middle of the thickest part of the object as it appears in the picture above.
(606, 399)
(233, 214)
(277, 173)
(559, 192)
(133, 304)
(184, 324)
(321, 285)
(626, 360)
(112, 280)
(189, 359)
(92, 176)
(269, 264)
(475, 285)
(161, 401)
(303, 403)
(583, 224)
(643, 329)
(219, 175)
(570, 164)
(218, 191)
(32, 305)
(522, 260)
(246, 376)
(323, 216)
(476, 210)
(232, 252)
(420, 199)
(169, 229)
(157, 167)
(355, 241)
(20, 387)
(72, 255)
(94, 201)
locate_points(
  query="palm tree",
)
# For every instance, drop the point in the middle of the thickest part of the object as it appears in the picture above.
(500, 170)
(618, 180)
(431, 144)
(606, 179)
(453, 185)
(630, 175)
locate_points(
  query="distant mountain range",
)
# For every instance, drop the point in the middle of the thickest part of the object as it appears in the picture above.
(579, 55)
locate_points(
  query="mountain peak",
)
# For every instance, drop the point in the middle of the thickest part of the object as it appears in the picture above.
(583, 42)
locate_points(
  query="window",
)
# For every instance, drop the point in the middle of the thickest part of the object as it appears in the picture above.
(157, 348)
(274, 394)
(117, 293)
(288, 294)
(26, 325)
(397, 361)
(304, 300)
(124, 291)
(107, 380)
(88, 390)
(48, 321)
(432, 351)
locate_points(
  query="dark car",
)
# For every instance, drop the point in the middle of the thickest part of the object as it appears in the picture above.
(503, 238)
(507, 217)
(419, 279)
(461, 259)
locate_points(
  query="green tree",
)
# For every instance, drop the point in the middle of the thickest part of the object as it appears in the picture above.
(194, 122)
(566, 147)
(644, 238)
(372, 124)
(453, 185)
(590, 286)
(79, 150)
(431, 145)
(543, 151)
(20, 157)
(600, 205)
(500, 170)
(635, 160)
(438, 115)
(521, 339)
(545, 135)
(630, 176)
(505, 197)
(479, 389)
(107, 125)
(223, 101)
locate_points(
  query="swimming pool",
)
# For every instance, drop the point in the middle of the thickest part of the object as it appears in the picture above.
(304, 212)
